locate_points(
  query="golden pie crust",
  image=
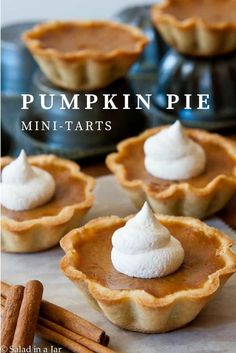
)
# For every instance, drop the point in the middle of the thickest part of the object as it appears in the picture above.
(42, 228)
(94, 53)
(137, 309)
(198, 197)
(198, 28)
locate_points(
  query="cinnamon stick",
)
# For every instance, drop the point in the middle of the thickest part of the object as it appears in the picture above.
(84, 341)
(53, 336)
(3, 301)
(12, 308)
(67, 319)
(28, 315)
(5, 288)
(47, 330)
(71, 321)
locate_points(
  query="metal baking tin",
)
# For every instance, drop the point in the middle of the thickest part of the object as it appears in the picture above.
(17, 64)
(162, 70)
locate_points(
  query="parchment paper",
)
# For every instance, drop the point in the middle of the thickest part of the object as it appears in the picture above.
(213, 331)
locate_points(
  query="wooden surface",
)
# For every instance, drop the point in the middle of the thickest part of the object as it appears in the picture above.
(96, 167)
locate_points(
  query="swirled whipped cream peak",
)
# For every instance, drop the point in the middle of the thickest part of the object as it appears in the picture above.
(171, 154)
(25, 187)
(144, 248)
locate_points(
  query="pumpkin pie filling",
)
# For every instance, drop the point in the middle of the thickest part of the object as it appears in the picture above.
(218, 162)
(200, 261)
(69, 191)
(69, 37)
(210, 11)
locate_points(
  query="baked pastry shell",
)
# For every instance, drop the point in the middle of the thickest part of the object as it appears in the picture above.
(194, 36)
(83, 69)
(45, 232)
(180, 199)
(136, 310)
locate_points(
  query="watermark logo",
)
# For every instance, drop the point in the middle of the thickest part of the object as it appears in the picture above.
(30, 349)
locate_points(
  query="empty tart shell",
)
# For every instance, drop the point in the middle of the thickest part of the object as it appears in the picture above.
(198, 28)
(84, 55)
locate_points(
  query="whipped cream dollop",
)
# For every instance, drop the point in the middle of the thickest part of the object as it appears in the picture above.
(171, 154)
(144, 248)
(25, 187)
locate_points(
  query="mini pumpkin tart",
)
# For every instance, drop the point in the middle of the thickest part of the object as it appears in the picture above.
(84, 55)
(201, 28)
(189, 266)
(43, 197)
(182, 172)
